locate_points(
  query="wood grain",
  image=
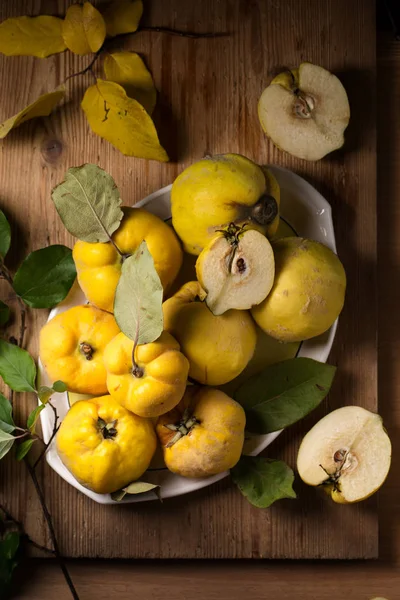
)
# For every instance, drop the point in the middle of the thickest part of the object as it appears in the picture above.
(207, 104)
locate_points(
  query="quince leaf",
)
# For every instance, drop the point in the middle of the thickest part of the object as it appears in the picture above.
(45, 276)
(31, 36)
(263, 480)
(17, 367)
(59, 387)
(83, 29)
(137, 487)
(88, 203)
(123, 16)
(122, 121)
(23, 448)
(6, 443)
(33, 417)
(42, 107)
(4, 313)
(129, 70)
(5, 234)
(284, 393)
(6, 420)
(138, 298)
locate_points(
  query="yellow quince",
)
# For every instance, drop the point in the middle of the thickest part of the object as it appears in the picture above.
(99, 265)
(155, 383)
(72, 346)
(105, 446)
(203, 435)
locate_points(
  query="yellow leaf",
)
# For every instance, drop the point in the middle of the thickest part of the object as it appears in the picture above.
(42, 107)
(129, 70)
(84, 29)
(122, 121)
(123, 16)
(31, 36)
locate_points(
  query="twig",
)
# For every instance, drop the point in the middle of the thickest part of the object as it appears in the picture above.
(50, 526)
(88, 68)
(46, 446)
(187, 34)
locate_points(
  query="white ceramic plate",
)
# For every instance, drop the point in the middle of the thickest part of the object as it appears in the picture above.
(309, 214)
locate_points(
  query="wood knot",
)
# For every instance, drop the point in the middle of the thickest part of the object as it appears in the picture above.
(51, 150)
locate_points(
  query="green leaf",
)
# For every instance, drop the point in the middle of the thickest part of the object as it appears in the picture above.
(33, 417)
(59, 387)
(263, 481)
(45, 393)
(45, 277)
(6, 421)
(138, 298)
(9, 545)
(23, 448)
(137, 487)
(284, 393)
(17, 368)
(88, 203)
(6, 442)
(4, 313)
(5, 235)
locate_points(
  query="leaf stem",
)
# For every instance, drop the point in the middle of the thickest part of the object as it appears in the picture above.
(186, 34)
(50, 526)
(89, 67)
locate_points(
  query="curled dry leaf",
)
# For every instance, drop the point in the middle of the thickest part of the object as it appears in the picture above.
(129, 70)
(137, 487)
(42, 107)
(123, 16)
(83, 29)
(31, 36)
(122, 121)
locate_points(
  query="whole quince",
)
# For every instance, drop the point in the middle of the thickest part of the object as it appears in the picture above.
(99, 265)
(155, 383)
(203, 435)
(219, 190)
(72, 346)
(308, 291)
(218, 347)
(104, 445)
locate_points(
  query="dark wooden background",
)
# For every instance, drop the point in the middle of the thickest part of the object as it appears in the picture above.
(208, 104)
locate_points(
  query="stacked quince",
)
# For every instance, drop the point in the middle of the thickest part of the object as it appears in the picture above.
(251, 295)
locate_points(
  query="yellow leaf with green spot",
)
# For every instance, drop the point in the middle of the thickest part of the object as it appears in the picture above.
(84, 29)
(42, 107)
(31, 36)
(122, 121)
(123, 16)
(129, 70)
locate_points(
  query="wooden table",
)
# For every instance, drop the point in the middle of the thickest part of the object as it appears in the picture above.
(353, 581)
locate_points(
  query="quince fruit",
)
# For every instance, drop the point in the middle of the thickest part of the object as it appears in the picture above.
(308, 291)
(219, 190)
(305, 111)
(72, 346)
(236, 269)
(155, 383)
(203, 435)
(105, 446)
(218, 347)
(99, 265)
(348, 452)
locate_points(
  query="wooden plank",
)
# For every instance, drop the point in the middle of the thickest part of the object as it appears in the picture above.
(208, 104)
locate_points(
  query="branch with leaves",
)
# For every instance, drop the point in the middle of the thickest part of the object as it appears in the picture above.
(118, 107)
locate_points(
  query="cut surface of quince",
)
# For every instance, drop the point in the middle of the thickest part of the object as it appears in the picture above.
(236, 269)
(349, 452)
(305, 111)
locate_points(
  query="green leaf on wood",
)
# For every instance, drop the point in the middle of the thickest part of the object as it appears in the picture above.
(33, 417)
(5, 235)
(45, 276)
(9, 545)
(138, 298)
(137, 487)
(6, 442)
(23, 448)
(6, 420)
(263, 481)
(17, 368)
(88, 203)
(284, 393)
(4, 313)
